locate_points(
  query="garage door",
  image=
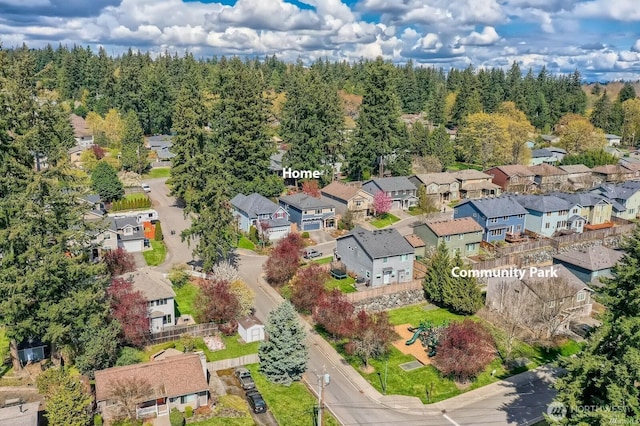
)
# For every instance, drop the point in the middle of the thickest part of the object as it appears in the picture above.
(311, 226)
(278, 233)
(133, 246)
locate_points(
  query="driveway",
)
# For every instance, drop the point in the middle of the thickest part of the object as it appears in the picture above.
(172, 218)
(232, 387)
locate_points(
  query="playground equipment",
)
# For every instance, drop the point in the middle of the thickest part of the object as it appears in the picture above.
(428, 335)
(417, 331)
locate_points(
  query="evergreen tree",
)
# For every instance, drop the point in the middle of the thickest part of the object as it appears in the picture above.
(284, 355)
(419, 138)
(68, 402)
(442, 147)
(468, 98)
(627, 92)
(104, 180)
(134, 154)
(467, 298)
(438, 282)
(602, 111)
(436, 110)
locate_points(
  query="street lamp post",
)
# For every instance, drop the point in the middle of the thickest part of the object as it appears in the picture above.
(323, 380)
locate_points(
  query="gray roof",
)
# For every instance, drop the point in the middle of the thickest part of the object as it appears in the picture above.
(542, 203)
(610, 136)
(304, 201)
(395, 183)
(276, 161)
(278, 223)
(118, 224)
(496, 207)
(254, 205)
(151, 283)
(541, 153)
(380, 243)
(160, 140)
(585, 199)
(616, 192)
(91, 198)
(576, 218)
(20, 415)
(594, 258)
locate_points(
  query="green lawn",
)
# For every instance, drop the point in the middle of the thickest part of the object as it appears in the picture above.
(226, 403)
(323, 260)
(345, 285)
(290, 405)
(135, 196)
(415, 314)
(462, 166)
(233, 348)
(385, 220)
(245, 243)
(185, 296)
(156, 255)
(158, 172)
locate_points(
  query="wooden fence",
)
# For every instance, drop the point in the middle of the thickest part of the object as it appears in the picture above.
(419, 270)
(225, 364)
(380, 291)
(599, 234)
(500, 262)
(522, 247)
(161, 164)
(133, 190)
(196, 330)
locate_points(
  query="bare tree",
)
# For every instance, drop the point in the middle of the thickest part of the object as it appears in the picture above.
(554, 311)
(126, 394)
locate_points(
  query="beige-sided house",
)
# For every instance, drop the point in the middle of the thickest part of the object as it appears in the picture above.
(159, 295)
(475, 184)
(626, 195)
(513, 178)
(461, 235)
(580, 177)
(349, 196)
(595, 208)
(549, 178)
(613, 173)
(418, 245)
(440, 187)
(157, 386)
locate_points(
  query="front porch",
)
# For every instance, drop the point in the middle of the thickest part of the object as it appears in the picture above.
(157, 408)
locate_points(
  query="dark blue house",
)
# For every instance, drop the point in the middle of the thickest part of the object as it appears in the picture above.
(498, 216)
(309, 213)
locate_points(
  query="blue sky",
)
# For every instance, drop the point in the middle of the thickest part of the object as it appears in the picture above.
(600, 38)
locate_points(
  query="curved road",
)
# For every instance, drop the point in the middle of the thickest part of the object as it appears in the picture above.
(351, 399)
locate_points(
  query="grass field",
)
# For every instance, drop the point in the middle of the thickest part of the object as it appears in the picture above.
(345, 285)
(245, 243)
(385, 220)
(290, 405)
(323, 260)
(462, 166)
(158, 172)
(185, 296)
(415, 314)
(156, 255)
(4, 344)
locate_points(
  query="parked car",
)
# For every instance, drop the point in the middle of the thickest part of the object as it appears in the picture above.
(311, 253)
(145, 187)
(244, 376)
(256, 402)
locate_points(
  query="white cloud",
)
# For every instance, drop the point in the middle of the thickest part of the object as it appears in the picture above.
(263, 14)
(487, 37)
(430, 41)
(636, 46)
(621, 10)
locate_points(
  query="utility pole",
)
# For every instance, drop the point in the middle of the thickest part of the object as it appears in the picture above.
(323, 380)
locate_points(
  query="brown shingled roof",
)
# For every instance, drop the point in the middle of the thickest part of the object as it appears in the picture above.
(80, 128)
(514, 170)
(414, 240)
(546, 170)
(170, 377)
(340, 190)
(463, 225)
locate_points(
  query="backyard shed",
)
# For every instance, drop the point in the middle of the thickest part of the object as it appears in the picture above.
(251, 329)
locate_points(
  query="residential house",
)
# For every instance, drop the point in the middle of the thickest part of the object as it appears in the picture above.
(97, 210)
(612, 139)
(440, 187)
(418, 245)
(20, 413)
(159, 295)
(75, 153)
(612, 150)
(257, 210)
(462, 236)
(251, 329)
(613, 173)
(550, 139)
(546, 214)
(275, 162)
(475, 184)
(596, 209)
(140, 216)
(549, 178)
(632, 165)
(402, 192)
(513, 178)
(579, 177)
(551, 156)
(129, 234)
(382, 256)
(589, 264)
(81, 132)
(501, 218)
(173, 382)
(309, 213)
(161, 146)
(554, 304)
(627, 196)
(349, 196)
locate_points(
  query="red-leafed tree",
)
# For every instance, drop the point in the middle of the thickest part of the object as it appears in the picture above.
(284, 260)
(310, 187)
(381, 203)
(98, 152)
(465, 349)
(216, 302)
(308, 287)
(119, 262)
(334, 313)
(129, 307)
(372, 335)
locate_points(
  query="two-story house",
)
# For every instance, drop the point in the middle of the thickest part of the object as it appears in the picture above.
(500, 218)
(596, 209)
(590, 264)
(549, 178)
(440, 187)
(475, 184)
(613, 173)
(579, 177)
(161, 146)
(461, 235)
(546, 214)
(402, 192)
(129, 232)
(159, 295)
(623, 195)
(309, 213)
(513, 178)
(383, 256)
(349, 196)
(260, 212)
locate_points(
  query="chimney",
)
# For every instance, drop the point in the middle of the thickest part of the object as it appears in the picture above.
(203, 361)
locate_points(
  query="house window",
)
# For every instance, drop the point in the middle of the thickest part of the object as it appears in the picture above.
(496, 232)
(547, 225)
(456, 250)
(518, 228)
(161, 302)
(378, 276)
(505, 218)
(319, 211)
(575, 211)
(582, 296)
(368, 274)
(358, 203)
(552, 304)
(493, 220)
(472, 247)
(548, 213)
(447, 238)
(461, 236)
(166, 319)
(632, 211)
(107, 236)
(520, 216)
(385, 260)
(188, 398)
(128, 231)
(404, 257)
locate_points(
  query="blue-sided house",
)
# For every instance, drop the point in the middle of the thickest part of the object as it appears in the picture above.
(309, 213)
(500, 217)
(590, 264)
(257, 210)
(546, 214)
